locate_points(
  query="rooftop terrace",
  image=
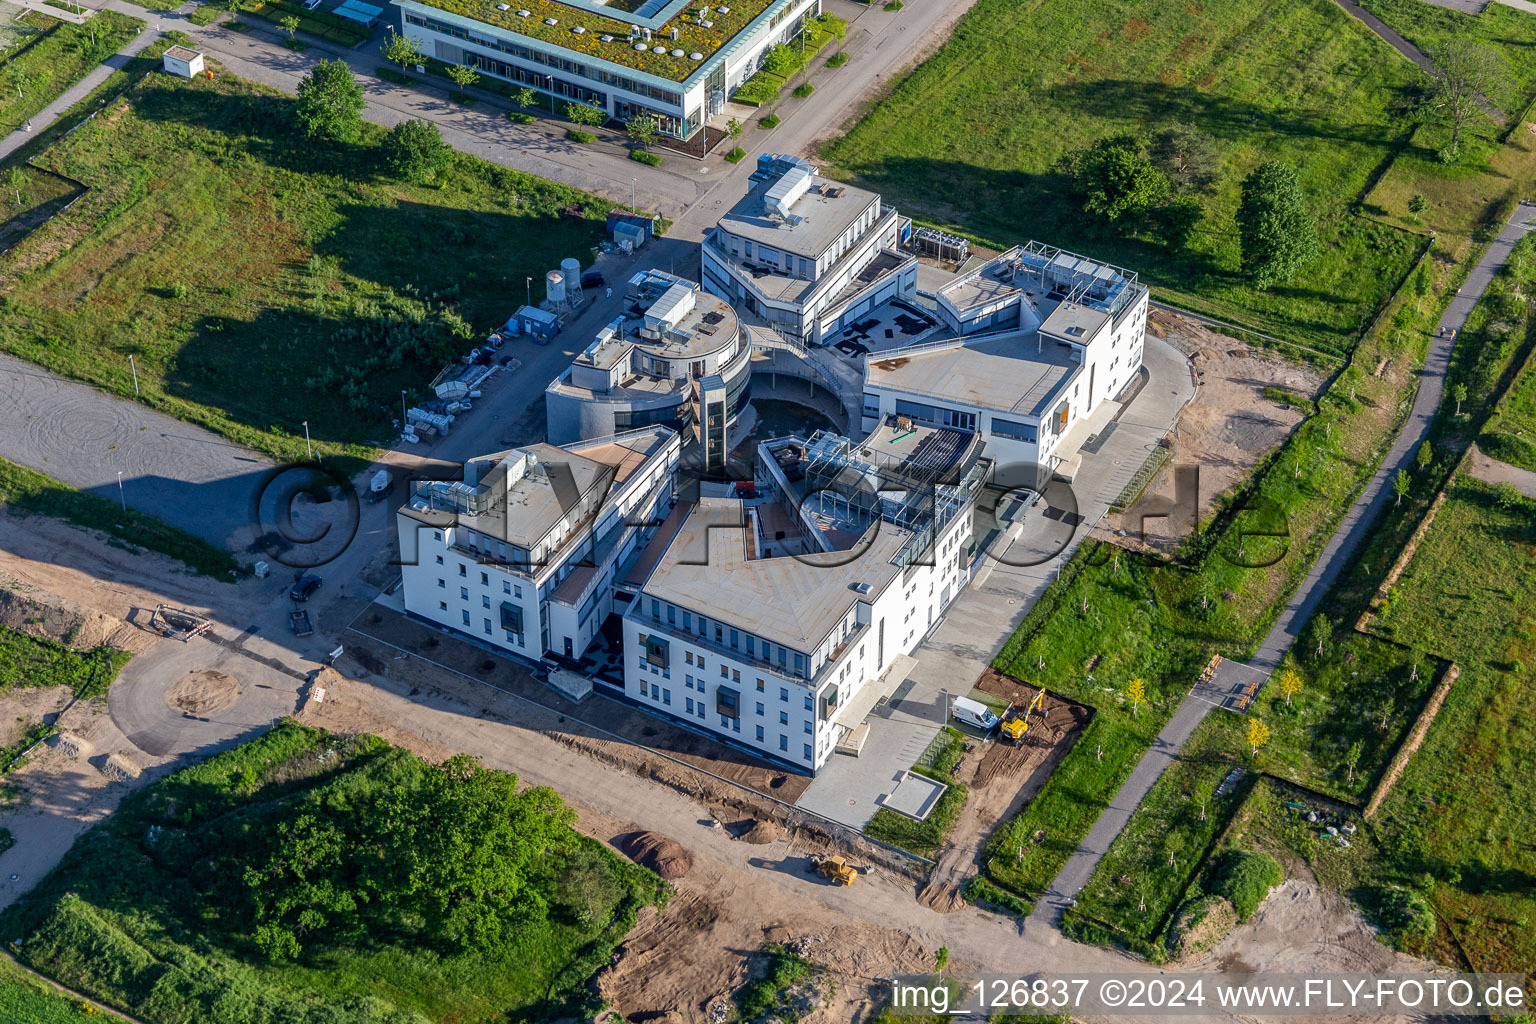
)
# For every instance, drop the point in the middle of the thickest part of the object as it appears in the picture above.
(1020, 372)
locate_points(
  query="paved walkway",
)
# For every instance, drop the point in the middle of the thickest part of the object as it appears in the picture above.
(1304, 602)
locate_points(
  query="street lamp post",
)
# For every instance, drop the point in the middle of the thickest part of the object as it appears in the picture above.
(632, 208)
(307, 447)
(403, 424)
(120, 495)
(529, 282)
(135, 370)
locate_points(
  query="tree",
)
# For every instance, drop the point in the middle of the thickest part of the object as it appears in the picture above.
(1424, 456)
(734, 129)
(1462, 74)
(1384, 710)
(1401, 484)
(1351, 758)
(1289, 684)
(1458, 395)
(1136, 693)
(16, 182)
(585, 113)
(1175, 221)
(1117, 180)
(780, 60)
(1188, 157)
(525, 98)
(1257, 735)
(1422, 283)
(463, 75)
(289, 24)
(643, 128)
(415, 151)
(330, 102)
(941, 958)
(1417, 204)
(401, 49)
(17, 77)
(1276, 232)
(1319, 632)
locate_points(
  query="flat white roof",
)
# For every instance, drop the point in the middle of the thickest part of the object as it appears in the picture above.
(1017, 373)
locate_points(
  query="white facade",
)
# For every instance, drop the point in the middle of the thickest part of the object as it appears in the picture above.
(573, 74)
(180, 60)
(521, 555)
(775, 639)
(1055, 337)
(806, 254)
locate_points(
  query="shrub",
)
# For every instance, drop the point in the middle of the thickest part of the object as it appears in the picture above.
(1245, 878)
(518, 117)
(771, 121)
(735, 155)
(979, 890)
(640, 155)
(802, 91)
(415, 151)
(585, 114)
(577, 135)
(894, 5)
(395, 75)
(837, 60)
(1401, 913)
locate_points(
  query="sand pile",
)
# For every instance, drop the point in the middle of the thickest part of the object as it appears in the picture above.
(662, 855)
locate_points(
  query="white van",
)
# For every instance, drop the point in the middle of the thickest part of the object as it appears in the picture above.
(973, 713)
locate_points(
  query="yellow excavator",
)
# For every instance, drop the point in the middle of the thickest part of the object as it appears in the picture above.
(1015, 725)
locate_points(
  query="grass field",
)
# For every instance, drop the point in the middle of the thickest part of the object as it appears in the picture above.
(415, 893)
(1465, 809)
(58, 57)
(251, 273)
(926, 838)
(25, 1000)
(1512, 32)
(973, 139)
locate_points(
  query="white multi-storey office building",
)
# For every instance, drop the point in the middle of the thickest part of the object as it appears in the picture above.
(769, 620)
(1048, 338)
(806, 254)
(676, 59)
(647, 366)
(521, 553)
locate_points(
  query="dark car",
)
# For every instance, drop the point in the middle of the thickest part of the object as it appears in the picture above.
(304, 586)
(592, 279)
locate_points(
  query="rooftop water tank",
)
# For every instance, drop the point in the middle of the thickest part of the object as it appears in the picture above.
(554, 286)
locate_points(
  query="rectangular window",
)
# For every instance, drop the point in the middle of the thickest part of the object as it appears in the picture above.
(506, 587)
(442, 606)
(735, 675)
(759, 734)
(784, 694)
(689, 705)
(666, 696)
(759, 686)
(808, 730)
(759, 709)
(463, 569)
(439, 559)
(466, 618)
(808, 702)
(511, 617)
(701, 709)
(1016, 431)
(808, 752)
(487, 627)
(733, 639)
(442, 584)
(485, 602)
(655, 692)
(671, 614)
(727, 702)
(725, 673)
(463, 593)
(751, 646)
(655, 608)
(687, 620)
(688, 657)
(656, 651)
(783, 742)
(783, 717)
(484, 579)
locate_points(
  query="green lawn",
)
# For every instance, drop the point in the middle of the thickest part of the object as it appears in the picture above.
(409, 892)
(260, 280)
(1462, 814)
(972, 139)
(1511, 435)
(25, 1000)
(57, 57)
(1512, 32)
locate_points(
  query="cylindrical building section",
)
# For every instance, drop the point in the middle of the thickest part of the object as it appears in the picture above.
(554, 287)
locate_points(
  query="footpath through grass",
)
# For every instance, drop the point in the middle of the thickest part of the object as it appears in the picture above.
(259, 280)
(973, 140)
(28, 492)
(55, 58)
(305, 876)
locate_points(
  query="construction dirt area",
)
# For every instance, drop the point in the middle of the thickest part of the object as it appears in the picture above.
(1229, 426)
(1002, 776)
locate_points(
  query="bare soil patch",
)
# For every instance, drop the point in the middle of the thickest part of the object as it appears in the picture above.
(204, 693)
(664, 856)
(1001, 778)
(1225, 431)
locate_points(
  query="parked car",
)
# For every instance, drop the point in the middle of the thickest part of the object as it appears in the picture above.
(592, 279)
(304, 586)
(973, 713)
(310, 5)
